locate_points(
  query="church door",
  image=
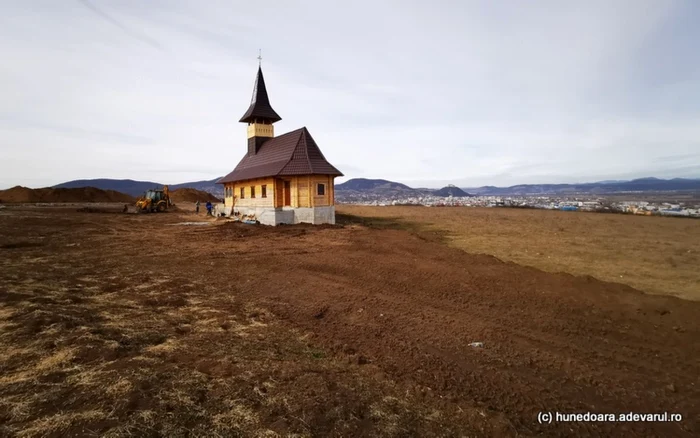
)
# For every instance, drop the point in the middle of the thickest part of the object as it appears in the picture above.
(287, 193)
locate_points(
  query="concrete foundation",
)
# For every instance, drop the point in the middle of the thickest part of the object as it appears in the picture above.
(284, 215)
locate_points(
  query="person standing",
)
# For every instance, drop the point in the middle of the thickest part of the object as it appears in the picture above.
(196, 207)
(209, 208)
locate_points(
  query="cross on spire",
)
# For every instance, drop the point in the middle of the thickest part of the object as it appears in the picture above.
(259, 57)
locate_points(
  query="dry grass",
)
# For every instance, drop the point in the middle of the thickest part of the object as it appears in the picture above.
(55, 361)
(657, 255)
(59, 424)
(117, 360)
(113, 327)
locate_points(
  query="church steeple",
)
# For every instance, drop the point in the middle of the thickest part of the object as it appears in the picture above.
(260, 110)
(260, 115)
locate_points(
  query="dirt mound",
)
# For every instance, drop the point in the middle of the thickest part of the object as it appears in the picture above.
(192, 195)
(21, 194)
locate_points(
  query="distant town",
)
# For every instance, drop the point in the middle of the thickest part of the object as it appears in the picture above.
(544, 202)
(684, 203)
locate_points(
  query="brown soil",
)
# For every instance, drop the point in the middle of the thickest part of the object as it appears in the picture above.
(658, 255)
(21, 194)
(192, 196)
(133, 325)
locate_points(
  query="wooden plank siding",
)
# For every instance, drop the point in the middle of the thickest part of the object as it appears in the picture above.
(303, 192)
(248, 201)
(325, 199)
(303, 188)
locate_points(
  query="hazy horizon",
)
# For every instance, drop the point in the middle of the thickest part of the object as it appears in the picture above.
(468, 93)
(434, 184)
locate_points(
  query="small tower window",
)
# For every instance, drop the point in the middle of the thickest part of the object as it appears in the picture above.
(252, 191)
(320, 189)
(263, 191)
(242, 192)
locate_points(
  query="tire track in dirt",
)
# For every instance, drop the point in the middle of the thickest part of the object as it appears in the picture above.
(552, 341)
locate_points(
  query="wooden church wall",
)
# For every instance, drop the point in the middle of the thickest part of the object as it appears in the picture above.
(303, 192)
(258, 201)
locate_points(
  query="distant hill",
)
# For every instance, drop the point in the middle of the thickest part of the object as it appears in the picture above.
(611, 181)
(362, 189)
(136, 188)
(21, 194)
(361, 184)
(128, 186)
(208, 186)
(451, 190)
(602, 187)
(187, 195)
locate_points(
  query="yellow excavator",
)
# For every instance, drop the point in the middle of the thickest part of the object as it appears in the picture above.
(154, 200)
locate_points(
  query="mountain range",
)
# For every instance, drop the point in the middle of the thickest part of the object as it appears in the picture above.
(602, 187)
(136, 188)
(366, 189)
(363, 188)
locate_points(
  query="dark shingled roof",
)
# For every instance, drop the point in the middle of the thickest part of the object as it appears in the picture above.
(260, 104)
(293, 153)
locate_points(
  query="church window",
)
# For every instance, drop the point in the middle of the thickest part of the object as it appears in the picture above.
(263, 191)
(320, 189)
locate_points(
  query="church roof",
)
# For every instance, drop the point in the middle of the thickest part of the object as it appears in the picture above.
(260, 104)
(293, 153)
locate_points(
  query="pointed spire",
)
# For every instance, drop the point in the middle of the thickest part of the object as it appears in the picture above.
(260, 108)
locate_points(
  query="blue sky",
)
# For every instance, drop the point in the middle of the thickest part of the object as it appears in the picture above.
(464, 92)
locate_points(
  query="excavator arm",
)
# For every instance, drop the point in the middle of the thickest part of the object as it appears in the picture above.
(166, 192)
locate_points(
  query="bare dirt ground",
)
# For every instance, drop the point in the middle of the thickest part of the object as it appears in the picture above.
(658, 255)
(136, 325)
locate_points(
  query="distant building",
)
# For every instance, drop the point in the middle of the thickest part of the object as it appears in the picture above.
(283, 179)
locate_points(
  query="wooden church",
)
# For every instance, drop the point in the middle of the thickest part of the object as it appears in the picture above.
(280, 180)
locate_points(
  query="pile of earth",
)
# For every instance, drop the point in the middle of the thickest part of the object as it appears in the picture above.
(192, 195)
(19, 194)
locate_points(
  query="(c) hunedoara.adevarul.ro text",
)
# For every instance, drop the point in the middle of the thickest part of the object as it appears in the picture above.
(545, 417)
